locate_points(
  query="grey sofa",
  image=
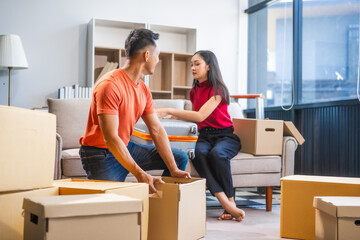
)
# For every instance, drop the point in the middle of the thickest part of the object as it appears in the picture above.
(247, 170)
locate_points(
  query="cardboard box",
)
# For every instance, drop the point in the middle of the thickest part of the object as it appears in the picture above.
(178, 210)
(264, 137)
(259, 137)
(89, 216)
(27, 149)
(11, 219)
(297, 215)
(134, 190)
(337, 218)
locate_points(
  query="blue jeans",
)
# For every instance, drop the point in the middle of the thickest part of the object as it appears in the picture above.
(213, 152)
(100, 163)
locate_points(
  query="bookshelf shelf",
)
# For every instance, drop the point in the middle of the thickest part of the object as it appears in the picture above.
(172, 77)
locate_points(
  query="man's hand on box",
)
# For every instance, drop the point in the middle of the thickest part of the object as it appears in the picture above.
(180, 174)
(147, 178)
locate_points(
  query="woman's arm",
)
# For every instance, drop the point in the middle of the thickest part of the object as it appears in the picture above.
(192, 116)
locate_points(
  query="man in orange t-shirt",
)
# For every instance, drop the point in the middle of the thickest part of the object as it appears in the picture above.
(119, 99)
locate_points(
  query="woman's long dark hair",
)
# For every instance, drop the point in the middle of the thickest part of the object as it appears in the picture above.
(214, 75)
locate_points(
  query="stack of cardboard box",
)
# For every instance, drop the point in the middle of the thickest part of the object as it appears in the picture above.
(27, 153)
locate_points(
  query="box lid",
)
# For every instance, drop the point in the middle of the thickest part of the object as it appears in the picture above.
(81, 205)
(325, 179)
(338, 206)
(291, 130)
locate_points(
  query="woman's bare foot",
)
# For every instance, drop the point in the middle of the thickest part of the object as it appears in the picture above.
(225, 216)
(230, 207)
(240, 215)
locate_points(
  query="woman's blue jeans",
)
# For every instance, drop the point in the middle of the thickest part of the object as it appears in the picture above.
(100, 163)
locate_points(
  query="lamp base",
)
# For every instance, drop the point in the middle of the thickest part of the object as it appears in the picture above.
(9, 94)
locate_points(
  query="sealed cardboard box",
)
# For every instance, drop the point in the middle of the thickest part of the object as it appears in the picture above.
(178, 210)
(87, 216)
(11, 219)
(259, 137)
(134, 190)
(297, 214)
(27, 149)
(337, 218)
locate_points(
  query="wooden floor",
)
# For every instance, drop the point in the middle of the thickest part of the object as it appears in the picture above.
(258, 224)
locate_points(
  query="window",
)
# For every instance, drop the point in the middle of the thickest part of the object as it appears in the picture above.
(326, 51)
(330, 50)
(270, 53)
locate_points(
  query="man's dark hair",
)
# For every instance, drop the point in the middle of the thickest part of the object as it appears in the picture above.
(138, 39)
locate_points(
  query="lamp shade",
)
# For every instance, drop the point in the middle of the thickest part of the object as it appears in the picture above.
(12, 52)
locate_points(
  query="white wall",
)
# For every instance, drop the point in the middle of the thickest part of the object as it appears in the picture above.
(54, 36)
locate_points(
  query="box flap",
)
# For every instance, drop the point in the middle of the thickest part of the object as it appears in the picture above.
(192, 196)
(180, 180)
(163, 212)
(291, 130)
(342, 206)
(324, 206)
(81, 205)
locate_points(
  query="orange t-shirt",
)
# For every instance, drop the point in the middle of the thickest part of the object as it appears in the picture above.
(116, 93)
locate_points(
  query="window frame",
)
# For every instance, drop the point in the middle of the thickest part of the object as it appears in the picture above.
(297, 6)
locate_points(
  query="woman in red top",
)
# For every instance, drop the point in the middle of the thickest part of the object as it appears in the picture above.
(217, 144)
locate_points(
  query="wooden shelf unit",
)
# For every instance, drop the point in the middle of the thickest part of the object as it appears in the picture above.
(172, 77)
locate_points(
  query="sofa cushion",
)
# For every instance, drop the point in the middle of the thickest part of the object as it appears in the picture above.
(244, 163)
(71, 119)
(71, 163)
(235, 110)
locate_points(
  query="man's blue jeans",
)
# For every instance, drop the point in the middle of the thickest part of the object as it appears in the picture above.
(100, 163)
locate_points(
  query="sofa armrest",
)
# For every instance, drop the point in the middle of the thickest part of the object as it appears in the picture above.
(288, 157)
(58, 153)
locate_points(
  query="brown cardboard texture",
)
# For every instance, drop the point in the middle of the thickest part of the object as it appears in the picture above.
(27, 149)
(178, 210)
(337, 218)
(297, 214)
(134, 190)
(291, 130)
(86, 216)
(11, 219)
(259, 137)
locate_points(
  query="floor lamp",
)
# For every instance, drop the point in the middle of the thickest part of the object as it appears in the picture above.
(12, 55)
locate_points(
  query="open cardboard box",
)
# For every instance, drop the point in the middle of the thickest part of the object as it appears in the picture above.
(264, 137)
(135, 190)
(178, 209)
(12, 221)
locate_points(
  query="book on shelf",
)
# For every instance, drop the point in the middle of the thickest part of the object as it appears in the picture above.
(109, 66)
(74, 91)
(104, 70)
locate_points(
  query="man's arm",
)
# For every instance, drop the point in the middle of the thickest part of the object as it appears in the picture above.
(192, 116)
(109, 125)
(162, 144)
